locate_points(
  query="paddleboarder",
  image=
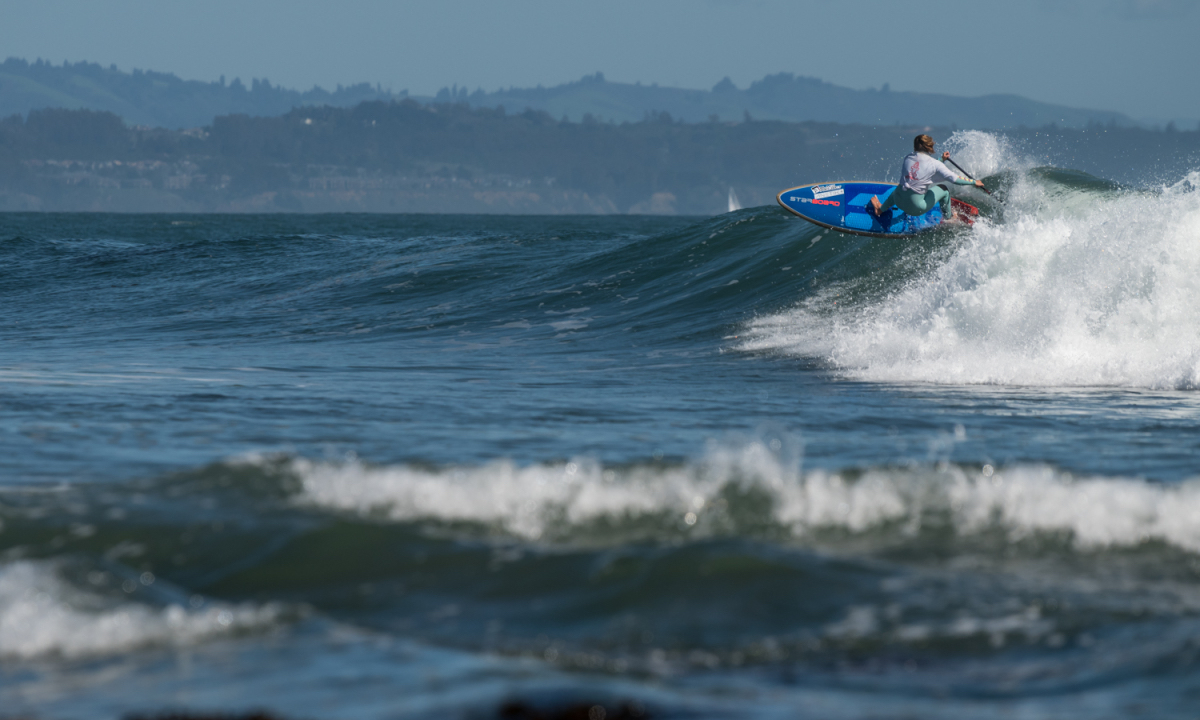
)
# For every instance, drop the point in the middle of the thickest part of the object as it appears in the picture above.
(920, 174)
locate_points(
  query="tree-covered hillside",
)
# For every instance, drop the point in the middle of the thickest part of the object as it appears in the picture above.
(787, 97)
(408, 157)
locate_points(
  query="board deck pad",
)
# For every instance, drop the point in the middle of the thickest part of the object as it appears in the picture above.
(843, 206)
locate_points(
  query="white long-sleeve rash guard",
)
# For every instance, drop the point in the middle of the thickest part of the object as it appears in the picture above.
(920, 171)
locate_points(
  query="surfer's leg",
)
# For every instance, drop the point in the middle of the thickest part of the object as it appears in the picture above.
(934, 195)
(911, 203)
(889, 203)
(941, 196)
(878, 209)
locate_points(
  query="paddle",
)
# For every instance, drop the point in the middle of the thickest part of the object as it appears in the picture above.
(964, 172)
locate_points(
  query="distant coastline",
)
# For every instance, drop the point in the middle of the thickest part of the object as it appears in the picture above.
(405, 157)
(283, 151)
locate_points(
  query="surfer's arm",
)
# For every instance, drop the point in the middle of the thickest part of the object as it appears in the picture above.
(941, 174)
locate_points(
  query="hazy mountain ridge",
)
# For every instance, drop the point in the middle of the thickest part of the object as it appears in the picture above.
(788, 97)
(157, 99)
(164, 100)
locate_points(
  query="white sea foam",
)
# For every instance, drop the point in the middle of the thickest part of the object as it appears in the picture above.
(1094, 512)
(1072, 288)
(983, 154)
(526, 500)
(43, 614)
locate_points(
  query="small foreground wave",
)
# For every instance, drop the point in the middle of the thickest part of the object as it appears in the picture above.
(42, 614)
(751, 490)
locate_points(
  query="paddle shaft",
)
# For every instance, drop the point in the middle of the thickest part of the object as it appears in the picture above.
(964, 172)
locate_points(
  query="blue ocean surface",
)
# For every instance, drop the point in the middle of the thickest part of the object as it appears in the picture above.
(372, 466)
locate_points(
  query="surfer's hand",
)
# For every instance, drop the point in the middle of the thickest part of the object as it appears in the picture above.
(945, 156)
(978, 183)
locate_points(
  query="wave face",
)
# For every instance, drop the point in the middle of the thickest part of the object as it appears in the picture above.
(418, 466)
(1072, 282)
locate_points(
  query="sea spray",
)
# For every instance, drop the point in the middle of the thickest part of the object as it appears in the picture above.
(1097, 288)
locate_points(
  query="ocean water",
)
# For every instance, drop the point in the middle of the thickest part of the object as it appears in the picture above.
(418, 466)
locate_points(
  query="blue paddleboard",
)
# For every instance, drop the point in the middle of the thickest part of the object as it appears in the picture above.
(842, 206)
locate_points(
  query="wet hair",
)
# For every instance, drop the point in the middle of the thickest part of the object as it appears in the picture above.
(923, 143)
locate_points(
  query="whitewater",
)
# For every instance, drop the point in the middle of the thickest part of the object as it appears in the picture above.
(1074, 282)
(379, 466)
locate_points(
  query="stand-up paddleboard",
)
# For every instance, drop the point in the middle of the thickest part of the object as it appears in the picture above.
(844, 206)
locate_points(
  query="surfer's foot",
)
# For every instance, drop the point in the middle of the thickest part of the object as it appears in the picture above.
(875, 205)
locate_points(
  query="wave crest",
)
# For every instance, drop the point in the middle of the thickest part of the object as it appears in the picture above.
(752, 491)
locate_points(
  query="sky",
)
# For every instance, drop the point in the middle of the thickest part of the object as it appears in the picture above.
(1138, 57)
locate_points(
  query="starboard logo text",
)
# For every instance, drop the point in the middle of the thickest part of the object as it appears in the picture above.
(817, 201)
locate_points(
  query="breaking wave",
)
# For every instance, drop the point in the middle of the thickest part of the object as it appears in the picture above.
(42, 613)
(740, 490)
(1072, 282)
